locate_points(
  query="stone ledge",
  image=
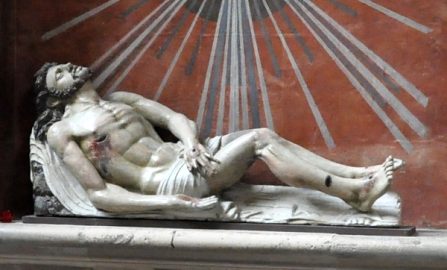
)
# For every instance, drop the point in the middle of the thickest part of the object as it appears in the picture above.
(101, 247)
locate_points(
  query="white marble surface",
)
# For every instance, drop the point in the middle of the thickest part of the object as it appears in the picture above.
(99, 247)
(282, 204)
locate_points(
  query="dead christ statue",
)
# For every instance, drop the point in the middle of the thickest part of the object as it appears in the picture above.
(113, 150)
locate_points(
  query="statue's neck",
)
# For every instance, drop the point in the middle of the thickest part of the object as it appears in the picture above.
(86, 96)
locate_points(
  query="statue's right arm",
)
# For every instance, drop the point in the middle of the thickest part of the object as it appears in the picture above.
(107, 196)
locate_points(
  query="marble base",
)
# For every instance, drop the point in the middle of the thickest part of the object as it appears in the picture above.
(213, 225)
(46, 246)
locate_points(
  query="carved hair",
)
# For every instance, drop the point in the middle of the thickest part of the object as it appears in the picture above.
(40, 87)
(47, 115)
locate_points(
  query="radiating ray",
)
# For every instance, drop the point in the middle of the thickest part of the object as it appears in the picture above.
(177, 55)
(264, 94)
(405, 20)
(309, 98)
(227, 80)
(124, 39)
(75, 21)
(364, 59)
(223, 79)
(388, 69)
(299, 39)
(133, 8)
(345, 8)
(234, 72)
(251, 66)
(217, 70)
(243, 78)
(146, 46)
(206, 84)
(107, 72)
(267, 38)
(395, 131)
(398, 107)
(193, 58)
(170, 37)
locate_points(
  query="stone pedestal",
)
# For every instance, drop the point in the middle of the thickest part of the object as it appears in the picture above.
(27, 246)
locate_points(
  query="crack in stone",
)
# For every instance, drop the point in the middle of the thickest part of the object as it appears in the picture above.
(172, 239)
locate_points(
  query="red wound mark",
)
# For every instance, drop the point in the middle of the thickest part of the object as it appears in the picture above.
(101, 151)
(100, 147)
(369, 185)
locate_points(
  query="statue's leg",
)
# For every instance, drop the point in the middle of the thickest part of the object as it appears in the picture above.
(234, 159)
(319, 161)
(289, 167)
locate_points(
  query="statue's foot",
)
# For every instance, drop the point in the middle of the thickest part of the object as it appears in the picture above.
(375, 185)
(371, 170)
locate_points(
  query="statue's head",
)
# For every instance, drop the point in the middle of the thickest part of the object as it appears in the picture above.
(54, 84)
(60, 81)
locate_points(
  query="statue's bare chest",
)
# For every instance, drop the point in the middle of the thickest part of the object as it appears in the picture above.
(104, 117)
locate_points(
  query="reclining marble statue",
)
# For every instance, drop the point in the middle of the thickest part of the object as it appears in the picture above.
(111, 148)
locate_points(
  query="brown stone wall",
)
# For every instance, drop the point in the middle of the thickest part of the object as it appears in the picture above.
(359, 135)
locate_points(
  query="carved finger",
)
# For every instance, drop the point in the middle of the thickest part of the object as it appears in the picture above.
(208, 202)
(203, 148)
(194, 163)
(210, 198)
(388, 159)
(203, 161)
(203, 151)
(211, 158)
(389, 176)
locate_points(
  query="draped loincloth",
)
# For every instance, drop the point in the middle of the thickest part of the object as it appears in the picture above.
(181, 181)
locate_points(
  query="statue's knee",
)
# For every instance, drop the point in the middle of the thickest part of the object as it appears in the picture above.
(264, 134)
(263, 137)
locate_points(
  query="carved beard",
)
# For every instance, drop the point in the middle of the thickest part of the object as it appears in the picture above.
(79, 81)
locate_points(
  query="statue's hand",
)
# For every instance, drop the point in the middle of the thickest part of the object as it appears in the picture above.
(198, 158)
(184, 201)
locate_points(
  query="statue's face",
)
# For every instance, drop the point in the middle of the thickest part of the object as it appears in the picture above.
(66, 76)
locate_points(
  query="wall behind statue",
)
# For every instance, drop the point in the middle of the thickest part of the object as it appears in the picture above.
(354, 81)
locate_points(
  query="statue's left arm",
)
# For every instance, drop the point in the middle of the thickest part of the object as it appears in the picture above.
(183, 128)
